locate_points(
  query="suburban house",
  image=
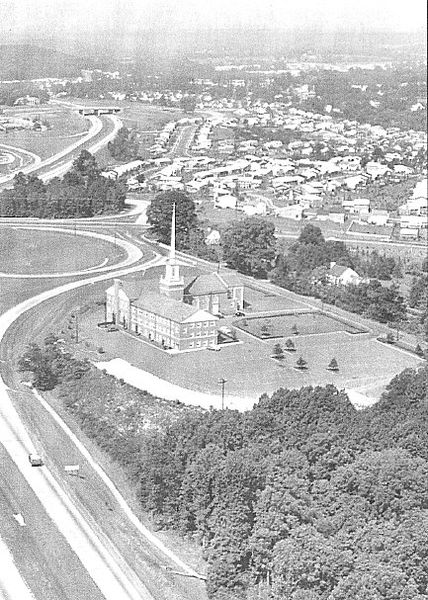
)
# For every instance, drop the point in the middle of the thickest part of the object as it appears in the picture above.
(340, 275)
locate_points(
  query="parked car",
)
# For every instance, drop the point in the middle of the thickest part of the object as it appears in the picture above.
(239, 313)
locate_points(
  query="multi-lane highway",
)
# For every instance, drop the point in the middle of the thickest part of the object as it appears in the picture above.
(102, 130)
(75, 531)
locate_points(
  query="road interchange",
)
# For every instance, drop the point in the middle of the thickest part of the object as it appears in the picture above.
(17, 442)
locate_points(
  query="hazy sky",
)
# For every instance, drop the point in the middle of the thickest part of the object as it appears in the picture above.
(64, 16)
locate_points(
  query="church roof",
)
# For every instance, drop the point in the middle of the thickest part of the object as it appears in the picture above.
(207, 284)
(165, 307)
(231, 279)
(213, 283)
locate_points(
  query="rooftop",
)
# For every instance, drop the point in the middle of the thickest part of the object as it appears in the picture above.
(165, 307)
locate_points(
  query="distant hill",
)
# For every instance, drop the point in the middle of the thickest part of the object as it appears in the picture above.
(33, 62)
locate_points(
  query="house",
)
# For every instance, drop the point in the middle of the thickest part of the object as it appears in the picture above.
(340, 275)
(213, 237)
(337, 216)
(416, 221)
(378, 217)
(376, 169)
(409, 233)
(295, 212)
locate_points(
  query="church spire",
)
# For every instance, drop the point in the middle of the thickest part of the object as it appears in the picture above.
(172, 247)
(172, 284)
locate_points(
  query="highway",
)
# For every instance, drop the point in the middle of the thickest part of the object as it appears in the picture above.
(112, 554)
(102, 130)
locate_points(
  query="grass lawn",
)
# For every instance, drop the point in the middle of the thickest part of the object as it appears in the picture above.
(279, 326)
(248, 367)
(31, 251)
(67, 127)
(257, 301)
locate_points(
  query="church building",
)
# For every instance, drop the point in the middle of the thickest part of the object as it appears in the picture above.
(180, 316)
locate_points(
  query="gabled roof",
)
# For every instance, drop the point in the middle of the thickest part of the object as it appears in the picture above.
(337, 270)
(231, 279)
(165, 307)
(207, 284)
(213, 283)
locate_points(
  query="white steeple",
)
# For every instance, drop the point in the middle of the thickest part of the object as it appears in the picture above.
(172, 284)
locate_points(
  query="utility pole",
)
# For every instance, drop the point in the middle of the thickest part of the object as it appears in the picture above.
(222, 382)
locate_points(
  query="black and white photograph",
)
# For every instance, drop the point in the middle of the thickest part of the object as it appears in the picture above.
(213, 300)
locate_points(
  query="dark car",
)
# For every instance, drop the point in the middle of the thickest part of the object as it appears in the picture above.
(239, 313)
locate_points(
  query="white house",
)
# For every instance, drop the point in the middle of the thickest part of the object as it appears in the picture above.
(340, 275)
(213, 237)
(295, 211)
(378, 217)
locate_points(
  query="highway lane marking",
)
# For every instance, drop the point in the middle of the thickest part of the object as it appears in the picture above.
(19, 519)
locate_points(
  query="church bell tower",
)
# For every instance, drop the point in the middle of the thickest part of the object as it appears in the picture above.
(171, 283)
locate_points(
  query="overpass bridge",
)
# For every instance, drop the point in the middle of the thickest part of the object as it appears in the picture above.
(98, 110)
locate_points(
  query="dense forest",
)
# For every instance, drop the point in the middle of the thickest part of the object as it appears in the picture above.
(301, 498)
(82, 192)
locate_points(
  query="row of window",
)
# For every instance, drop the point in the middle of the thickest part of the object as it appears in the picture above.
(201, 343)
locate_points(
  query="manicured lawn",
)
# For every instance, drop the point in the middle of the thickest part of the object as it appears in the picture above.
(293, 325)
(30, 251)
(248, 367)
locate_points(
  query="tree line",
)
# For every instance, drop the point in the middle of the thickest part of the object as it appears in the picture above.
(82, 192)
(250, 247)
(302, 497)
(125, 145)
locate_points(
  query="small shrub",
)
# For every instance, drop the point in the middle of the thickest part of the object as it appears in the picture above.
(278, 351)
(301, 363)
(289, 345)
(333, 366)
(419, 351)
